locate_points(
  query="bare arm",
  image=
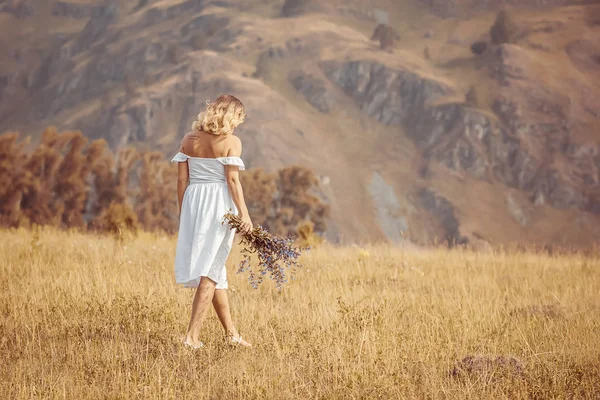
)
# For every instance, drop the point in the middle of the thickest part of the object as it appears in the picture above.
(182, 179)
(232, 174)
(235, 188)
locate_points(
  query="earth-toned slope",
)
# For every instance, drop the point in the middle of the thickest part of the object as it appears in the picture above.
(427, 141)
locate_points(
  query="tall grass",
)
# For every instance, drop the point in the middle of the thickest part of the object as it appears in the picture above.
(86, 316)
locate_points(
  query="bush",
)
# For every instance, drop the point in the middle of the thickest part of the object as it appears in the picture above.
(119, 220)
(174, 54)
(472, 98)
(479, 47)
(307, 236)
(141, 4)
(198, 41)
(504, 30)
(386, 36)
(293, 8)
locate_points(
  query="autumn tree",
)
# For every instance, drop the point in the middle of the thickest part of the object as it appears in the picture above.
(294, 202)
(12, 171)
(112, 210)
(125, 159)
(102, 181)
(69, 183)
(37, 203)
(71, 189)
(259, 191)
(154, 203)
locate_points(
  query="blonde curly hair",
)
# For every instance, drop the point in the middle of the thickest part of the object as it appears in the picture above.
(221, 117)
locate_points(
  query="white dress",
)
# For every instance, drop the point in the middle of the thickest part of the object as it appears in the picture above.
(204, 243)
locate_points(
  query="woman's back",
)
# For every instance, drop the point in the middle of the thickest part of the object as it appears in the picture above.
(206, 156)
(206, 145)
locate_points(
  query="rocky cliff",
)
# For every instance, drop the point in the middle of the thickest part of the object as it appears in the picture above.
(428, 141)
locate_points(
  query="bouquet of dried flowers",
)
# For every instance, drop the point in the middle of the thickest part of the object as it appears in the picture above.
(275, 254)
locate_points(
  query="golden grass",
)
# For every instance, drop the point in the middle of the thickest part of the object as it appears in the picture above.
(89, 317)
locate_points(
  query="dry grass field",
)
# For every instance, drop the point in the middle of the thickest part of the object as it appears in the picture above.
(85, 316)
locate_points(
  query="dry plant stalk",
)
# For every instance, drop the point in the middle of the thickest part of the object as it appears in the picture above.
(275, 254)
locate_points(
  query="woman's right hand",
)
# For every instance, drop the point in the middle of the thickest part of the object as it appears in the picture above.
(247, 225)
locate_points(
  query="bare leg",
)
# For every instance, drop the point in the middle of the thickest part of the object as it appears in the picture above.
(202, 299)
(221, 303)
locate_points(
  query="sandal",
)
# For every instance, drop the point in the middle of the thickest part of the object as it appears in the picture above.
(240, 341)
(196, 346)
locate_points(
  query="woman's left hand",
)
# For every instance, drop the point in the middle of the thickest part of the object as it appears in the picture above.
(247, 225)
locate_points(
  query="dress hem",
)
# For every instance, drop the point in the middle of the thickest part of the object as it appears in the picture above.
(191, 283)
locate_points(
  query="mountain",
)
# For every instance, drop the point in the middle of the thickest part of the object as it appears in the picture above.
(472, 122)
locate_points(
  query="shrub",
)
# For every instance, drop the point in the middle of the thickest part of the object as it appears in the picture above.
(479, 47)
(198, 41)
(386, 36)
(118, 220)
(292, 8)
(307, 236)
(174, 54)
(472, 98)
(504, 30)
(141, 4)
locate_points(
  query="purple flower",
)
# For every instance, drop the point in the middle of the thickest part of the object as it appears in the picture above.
(273, 254)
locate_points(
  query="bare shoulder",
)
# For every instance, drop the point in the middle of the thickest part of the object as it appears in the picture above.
(235, 146)
(234, 140)
(190, 136)
(187, 140)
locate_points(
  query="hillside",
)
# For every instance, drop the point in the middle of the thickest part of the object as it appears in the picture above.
(425, 141)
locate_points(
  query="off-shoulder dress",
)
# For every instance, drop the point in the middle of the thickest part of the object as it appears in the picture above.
(204, 242)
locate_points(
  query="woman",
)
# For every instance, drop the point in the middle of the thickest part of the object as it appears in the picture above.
(208, 186)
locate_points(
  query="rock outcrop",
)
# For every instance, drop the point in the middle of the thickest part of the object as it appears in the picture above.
(78, 10)
(462, 8)
(20, 9)
(388, 95)
(313, 89)
(516, 146)
(443, 212)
